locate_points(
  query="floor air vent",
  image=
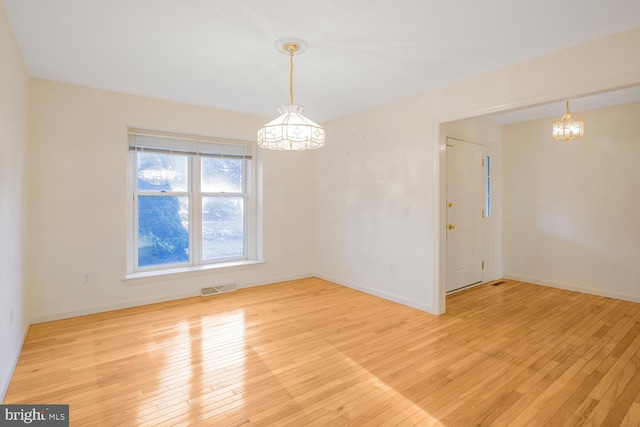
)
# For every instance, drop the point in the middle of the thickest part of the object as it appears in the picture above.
(219, 289)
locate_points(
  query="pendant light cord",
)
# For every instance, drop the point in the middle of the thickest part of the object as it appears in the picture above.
(291, 76)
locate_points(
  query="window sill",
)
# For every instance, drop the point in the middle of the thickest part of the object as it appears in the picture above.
(183, 272)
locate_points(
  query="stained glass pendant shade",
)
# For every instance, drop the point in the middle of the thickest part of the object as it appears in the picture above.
(291, 131)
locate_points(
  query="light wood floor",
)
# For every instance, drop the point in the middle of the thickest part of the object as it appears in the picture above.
(309, 352)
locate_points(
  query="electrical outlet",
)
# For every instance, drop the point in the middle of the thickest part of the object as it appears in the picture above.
(392, 269)
(86, 279)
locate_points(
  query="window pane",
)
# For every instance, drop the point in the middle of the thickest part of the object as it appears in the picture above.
(163, 230)
(221, 175)
(222, 227)
(162, 172)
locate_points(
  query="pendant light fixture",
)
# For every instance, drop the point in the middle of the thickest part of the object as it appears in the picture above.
(568, 127)
(291, 131)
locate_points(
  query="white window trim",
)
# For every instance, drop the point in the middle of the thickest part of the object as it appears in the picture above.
(253, 220)
(144, 277)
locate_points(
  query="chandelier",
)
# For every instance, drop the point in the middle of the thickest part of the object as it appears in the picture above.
(568, 127)
(291, 131)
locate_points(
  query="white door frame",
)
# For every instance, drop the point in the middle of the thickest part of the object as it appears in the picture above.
(490, 148)
(480, 207)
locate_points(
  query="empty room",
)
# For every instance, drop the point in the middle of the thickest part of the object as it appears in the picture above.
(446, 234)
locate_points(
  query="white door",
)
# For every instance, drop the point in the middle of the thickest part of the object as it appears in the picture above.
(464, 213)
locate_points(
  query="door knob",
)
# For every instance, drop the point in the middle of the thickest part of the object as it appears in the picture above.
(451, 226)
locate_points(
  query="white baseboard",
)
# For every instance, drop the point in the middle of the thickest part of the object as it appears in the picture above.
(384, 295)
(151, 300)
(274, 280)
(109, 307)
(12, 368)
(576, 288)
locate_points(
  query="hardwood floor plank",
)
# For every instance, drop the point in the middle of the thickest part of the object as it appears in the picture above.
(621, 407)
(309, 352)
(632, 418)
(607, 408)
(558, 389)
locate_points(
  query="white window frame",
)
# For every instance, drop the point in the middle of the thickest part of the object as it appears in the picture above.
(195, 147)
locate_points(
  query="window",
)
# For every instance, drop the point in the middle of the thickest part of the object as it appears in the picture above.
(193, 202)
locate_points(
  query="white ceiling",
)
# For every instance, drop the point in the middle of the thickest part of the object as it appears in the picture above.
(362, 53)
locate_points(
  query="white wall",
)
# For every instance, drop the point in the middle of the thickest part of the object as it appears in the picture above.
(361, 228)
(78, 205)
(14, 90)
(571, 209)
(375, 205)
